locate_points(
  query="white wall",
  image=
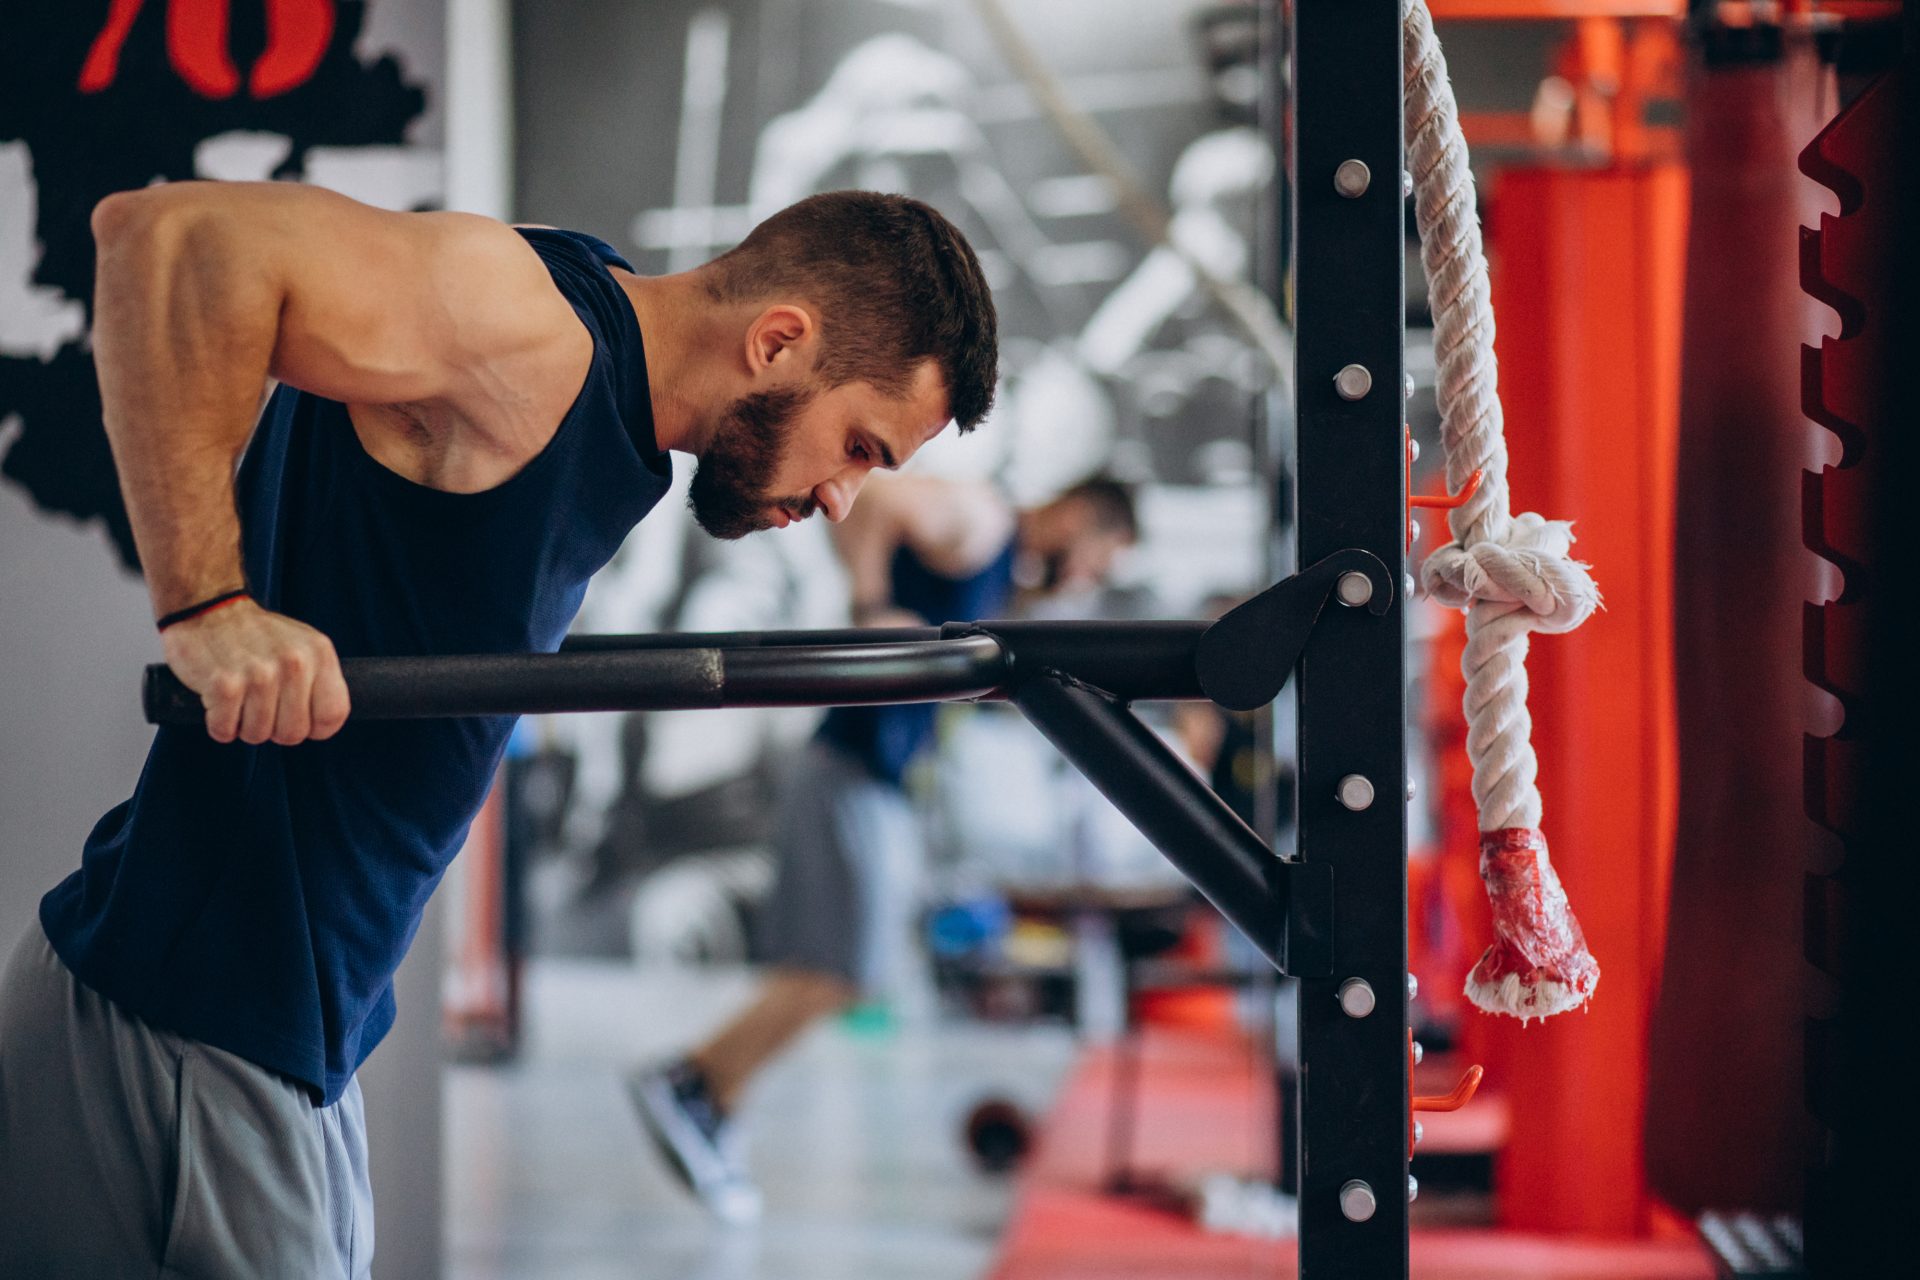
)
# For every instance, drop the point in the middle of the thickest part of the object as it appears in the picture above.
(74, 634)
(479, 120)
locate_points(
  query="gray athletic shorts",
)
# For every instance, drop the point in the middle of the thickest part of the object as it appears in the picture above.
(129, 1152)
(848, 849)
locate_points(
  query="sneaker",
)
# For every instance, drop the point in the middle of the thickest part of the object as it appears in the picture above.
(686, 1124)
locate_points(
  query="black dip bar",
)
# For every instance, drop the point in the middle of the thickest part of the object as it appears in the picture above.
(1072, 679)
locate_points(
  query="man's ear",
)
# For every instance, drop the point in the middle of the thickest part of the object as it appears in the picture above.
(779, 335)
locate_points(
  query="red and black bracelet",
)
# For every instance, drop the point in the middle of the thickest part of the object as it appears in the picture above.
(205, 606)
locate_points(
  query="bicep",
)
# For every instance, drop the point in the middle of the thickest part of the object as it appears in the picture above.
(865, 541)
(957, 527)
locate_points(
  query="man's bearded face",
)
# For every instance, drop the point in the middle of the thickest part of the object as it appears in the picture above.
(731, 494)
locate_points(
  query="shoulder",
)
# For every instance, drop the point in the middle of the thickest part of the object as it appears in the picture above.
(582, 271)
(930, 507)
(518, 344)
(493, 254)
(954, 527)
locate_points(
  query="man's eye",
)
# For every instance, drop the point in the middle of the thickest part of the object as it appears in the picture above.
(859, 452)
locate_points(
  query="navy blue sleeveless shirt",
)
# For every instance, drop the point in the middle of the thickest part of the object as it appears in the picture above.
(886, 739)
(259, 899)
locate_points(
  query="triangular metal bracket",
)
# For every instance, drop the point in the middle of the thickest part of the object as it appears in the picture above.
(1245, 658)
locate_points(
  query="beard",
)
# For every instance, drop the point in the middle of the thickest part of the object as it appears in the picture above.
(732, 485)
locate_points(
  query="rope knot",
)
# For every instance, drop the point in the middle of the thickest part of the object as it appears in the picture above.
(1529, 566)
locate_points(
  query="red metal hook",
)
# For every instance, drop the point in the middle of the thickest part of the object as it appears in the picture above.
(1441, 501)
(1458, 1098)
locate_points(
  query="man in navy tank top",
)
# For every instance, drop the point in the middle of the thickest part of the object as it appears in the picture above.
(467, 419)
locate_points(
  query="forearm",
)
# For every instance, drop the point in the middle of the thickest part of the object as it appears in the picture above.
(185, 320)
(865, 542)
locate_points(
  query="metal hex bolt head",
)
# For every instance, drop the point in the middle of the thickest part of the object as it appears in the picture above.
(1356, 997)
(1407, 581)
(1406, 183)
(1353, 589)
(1413, 789)
(1413, 1188)
(1419, 1132)
(1413, 986)
(1352, 178)
(1413, 448)
(1408, 384)
(1418, 1053)
(1356, 1201)
(1353, 382)
(1355, 792)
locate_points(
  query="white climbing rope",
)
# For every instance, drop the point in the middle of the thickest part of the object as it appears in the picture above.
(1512, 574)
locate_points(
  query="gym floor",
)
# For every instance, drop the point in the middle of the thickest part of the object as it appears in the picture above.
(855, 1142)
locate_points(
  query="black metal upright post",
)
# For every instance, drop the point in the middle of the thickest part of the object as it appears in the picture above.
(1349, 304)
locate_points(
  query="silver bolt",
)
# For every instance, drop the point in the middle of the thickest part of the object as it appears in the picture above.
(1353, 382)
(1413, 789)
(1356, 997)
(1413, 449)
(1408, 384)
(1413, 1188)
(1413, 986)
(1406, 183)
(1354, 588)
(1354, 792)
(1356, 1201)
(1408, 581)
(1419, 1132)
(1352, 178)
(1418, 1053)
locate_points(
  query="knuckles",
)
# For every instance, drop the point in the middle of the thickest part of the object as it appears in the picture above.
(251, 670)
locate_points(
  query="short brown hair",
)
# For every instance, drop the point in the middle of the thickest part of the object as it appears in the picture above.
(895, 283)
(1112, 505)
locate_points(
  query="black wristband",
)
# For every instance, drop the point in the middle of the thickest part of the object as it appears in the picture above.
(195, 610)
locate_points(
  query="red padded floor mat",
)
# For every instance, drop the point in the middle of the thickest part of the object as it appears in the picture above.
(1204, 1109)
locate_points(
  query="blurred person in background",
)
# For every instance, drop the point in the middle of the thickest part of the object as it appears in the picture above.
(920, 550)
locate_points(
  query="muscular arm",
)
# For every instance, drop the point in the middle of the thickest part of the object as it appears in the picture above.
(203, 292)
(955, 527)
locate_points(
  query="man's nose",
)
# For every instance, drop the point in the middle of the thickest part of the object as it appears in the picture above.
(836, 496)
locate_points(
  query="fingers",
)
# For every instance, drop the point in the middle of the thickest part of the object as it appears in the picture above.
(224, 699)
(264, 680)
(330, 701)
(262, 701)
(293, 716)
(304, 698)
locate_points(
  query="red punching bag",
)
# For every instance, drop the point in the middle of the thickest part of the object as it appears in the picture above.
(1726, 1122)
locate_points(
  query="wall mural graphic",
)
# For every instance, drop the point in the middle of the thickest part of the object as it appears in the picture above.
(103, 97)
